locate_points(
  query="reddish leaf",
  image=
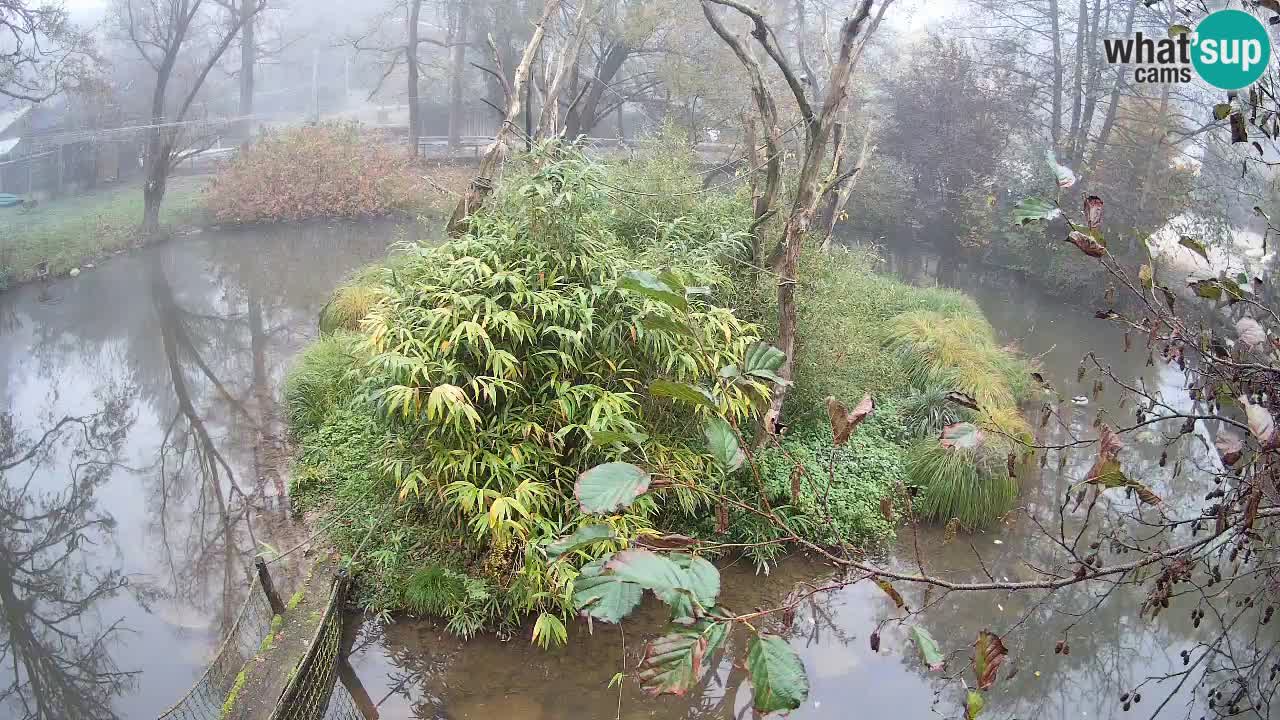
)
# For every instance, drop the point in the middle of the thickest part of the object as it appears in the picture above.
(991, 652)
(1230, 447)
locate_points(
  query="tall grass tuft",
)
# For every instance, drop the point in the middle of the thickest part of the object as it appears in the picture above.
(972, 486)
(958, 352)
(319, 381)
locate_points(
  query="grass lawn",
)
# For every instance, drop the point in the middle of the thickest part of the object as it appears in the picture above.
(70, 231)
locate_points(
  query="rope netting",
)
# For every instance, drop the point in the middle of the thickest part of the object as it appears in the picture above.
(241, 642)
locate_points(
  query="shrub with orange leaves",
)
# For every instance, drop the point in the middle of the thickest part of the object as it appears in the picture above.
(332, 170)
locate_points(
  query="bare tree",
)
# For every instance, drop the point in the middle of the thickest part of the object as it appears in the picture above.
(482, 186)
(166, 33)
(42, 53)
(810, 188)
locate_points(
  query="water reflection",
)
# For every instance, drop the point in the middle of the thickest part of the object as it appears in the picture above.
(125, 536)
(52, 634)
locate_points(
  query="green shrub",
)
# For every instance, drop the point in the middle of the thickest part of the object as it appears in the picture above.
(468, 604)
(870, 467)
(844, 310)
(973, 486)
(956, 352)
(926, 411)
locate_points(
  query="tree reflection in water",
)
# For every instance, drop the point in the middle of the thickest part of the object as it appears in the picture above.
(55, 659)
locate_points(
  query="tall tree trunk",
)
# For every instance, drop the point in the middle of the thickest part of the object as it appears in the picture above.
(1055, 122)
(1092, 86)
(840, 198)
(457, 64)
(1077, 98)
(1113, 103)
(549, 119)
(248, 55)
(588, 112)
(411, 63)
(482, 185)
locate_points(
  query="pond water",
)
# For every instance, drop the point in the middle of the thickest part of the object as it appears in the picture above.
(136, 415)
(125, 534)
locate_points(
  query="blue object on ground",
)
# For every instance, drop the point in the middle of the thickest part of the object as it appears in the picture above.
(7, 200)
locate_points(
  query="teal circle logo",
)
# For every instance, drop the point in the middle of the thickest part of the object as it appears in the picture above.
(1231, 49)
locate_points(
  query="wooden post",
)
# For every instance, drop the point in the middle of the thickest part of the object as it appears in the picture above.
(268, 587)
(61, 167)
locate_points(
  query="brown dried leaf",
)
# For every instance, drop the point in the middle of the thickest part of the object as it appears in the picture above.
(1087, 244)
(1230, 447)
(886, 508)
(891, 591)
(1093, 211)
(843, 422)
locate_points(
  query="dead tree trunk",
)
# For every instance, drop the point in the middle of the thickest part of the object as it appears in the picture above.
(762, 199)
(482, 185)
(549, 119)
(840, 196)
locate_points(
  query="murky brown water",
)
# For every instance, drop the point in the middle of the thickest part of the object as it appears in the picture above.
(412, 669)
(177, 352)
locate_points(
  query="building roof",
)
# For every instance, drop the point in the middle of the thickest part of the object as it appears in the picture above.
(9, 117)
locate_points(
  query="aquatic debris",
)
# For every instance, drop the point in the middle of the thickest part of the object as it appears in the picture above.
(74, 272)
(1079, 400)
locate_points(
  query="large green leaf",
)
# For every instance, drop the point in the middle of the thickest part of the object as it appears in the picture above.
(604, 596)
(701, 583)
(1034, 209)
(650, 285)
(777, 675)
(723, 444)
(691, 394)
(928, 647)
(585, 536)
(610, 487)
(650, 571)
(673, 663)
(763, 361)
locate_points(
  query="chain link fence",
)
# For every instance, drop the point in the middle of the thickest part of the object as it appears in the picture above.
(242, 641)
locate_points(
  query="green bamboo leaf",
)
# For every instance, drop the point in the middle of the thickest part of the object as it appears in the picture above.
(684, 392)
(1194, 245)
(1034, 209)
(605, 438)
(610, 487)
(584, 537)
(777, 675)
